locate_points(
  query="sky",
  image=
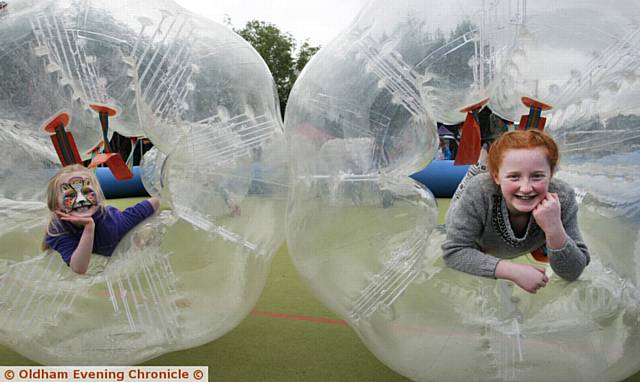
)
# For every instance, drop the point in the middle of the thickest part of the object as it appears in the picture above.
(318, 21)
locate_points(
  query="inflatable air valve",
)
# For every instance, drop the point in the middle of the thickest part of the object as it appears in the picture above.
(533, 119)
(105, 112)
(469, 149)
(62, 140)
(113, 160)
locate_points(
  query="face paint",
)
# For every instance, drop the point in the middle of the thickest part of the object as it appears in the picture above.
(78, 195)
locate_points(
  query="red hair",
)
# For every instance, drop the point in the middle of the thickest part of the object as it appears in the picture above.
(521, 139)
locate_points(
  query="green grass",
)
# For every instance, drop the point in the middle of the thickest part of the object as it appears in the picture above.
(264, 348)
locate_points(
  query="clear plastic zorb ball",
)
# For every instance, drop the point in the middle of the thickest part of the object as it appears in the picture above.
(362, 117)
(208, 103)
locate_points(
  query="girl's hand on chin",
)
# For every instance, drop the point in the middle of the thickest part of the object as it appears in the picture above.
(547, 213)
(78, 220)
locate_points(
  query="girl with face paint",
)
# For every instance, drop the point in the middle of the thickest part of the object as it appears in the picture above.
(515, 208)
(81, 224)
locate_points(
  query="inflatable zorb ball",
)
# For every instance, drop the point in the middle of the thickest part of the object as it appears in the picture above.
(208, 103)
(362, 118)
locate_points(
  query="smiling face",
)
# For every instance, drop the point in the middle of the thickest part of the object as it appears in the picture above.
(523, 177)
(77, 195)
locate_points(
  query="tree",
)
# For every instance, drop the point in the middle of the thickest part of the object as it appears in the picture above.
(304, 55)
(278, 49)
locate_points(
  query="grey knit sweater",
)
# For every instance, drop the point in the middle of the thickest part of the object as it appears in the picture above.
(479, 233)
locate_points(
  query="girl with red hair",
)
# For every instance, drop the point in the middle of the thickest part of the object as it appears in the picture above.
(515, 208)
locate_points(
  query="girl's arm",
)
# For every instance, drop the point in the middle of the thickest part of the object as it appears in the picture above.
(465, 223)
(568, 254)
(547, 215)
(80, 258)
(82, 255)
(134, 215)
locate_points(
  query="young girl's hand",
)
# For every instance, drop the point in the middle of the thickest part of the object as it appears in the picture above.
(526, 276)
(78, 220)
(547, 213)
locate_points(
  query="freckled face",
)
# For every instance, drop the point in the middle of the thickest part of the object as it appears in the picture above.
(524, 177)
(77, 195)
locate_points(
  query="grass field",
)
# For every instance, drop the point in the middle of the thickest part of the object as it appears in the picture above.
(288, 337)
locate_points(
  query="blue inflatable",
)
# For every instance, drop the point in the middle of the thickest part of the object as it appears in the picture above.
(441, 177)
(113, 188)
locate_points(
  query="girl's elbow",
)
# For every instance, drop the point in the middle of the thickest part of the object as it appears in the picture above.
(79, 269)
(573, 276)
(569, 273)
(78, 265)
(451, 260)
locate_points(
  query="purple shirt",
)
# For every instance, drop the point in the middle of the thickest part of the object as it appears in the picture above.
(111, 225)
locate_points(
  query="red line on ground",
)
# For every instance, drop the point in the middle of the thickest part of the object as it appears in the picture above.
(295, 317)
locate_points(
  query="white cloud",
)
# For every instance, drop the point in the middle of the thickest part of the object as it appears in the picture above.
(318, 21)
